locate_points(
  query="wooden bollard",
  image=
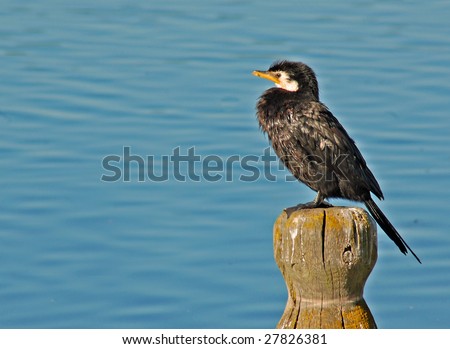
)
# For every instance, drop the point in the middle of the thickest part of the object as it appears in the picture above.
(326, 256)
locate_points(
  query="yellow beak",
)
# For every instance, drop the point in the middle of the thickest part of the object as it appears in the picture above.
(266, 75)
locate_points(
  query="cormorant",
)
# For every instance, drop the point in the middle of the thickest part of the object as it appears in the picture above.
(314, 146)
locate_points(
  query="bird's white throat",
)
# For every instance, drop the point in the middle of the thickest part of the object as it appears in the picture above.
(286, 83)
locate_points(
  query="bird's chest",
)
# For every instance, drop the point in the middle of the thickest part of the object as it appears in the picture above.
(296, 137)
(282, 127)
(275, 120)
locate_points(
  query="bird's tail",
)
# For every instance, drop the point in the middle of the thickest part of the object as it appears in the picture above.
(388, 228)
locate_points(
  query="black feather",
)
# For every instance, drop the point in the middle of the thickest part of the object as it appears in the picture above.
(388, 228)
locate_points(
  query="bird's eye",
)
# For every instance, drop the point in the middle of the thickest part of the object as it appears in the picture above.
(278, 75)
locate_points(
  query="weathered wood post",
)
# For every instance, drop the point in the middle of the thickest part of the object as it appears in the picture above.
(326, 256)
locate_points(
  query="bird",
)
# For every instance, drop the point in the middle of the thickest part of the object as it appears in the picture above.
(314, 146)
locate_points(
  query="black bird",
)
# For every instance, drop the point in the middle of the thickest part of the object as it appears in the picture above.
(314, 146)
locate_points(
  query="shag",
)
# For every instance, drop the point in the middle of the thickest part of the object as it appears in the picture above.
(314, 146)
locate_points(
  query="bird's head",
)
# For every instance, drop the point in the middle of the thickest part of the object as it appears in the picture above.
(291, 76)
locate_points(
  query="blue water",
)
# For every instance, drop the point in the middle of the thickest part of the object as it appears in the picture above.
(79, 81)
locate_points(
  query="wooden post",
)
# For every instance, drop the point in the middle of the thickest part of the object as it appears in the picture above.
(326, 256)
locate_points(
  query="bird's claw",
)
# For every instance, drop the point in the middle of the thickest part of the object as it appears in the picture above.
(308, 205)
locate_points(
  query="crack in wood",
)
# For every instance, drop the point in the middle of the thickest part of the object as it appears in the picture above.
(324, 222)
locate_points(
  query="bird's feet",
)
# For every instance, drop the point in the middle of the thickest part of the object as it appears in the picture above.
(312, 204)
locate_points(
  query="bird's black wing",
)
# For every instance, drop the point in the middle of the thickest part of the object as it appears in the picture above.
(324, 140)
